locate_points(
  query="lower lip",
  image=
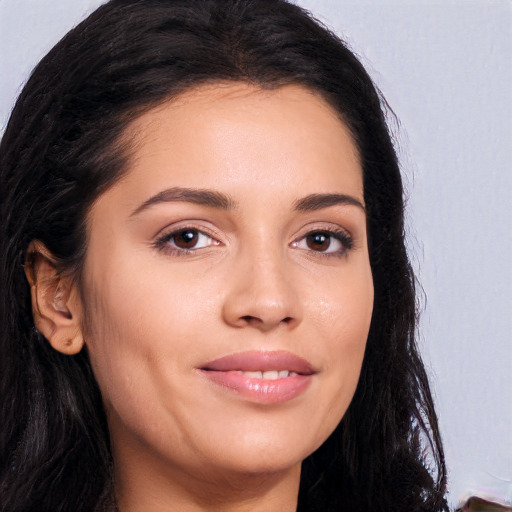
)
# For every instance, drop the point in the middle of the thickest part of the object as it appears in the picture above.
(262, 391)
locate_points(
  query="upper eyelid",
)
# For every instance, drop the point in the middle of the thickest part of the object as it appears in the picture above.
(341, 235)
(173, 229)
(334, 229)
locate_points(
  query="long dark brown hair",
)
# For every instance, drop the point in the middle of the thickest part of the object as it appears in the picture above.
(61, 150)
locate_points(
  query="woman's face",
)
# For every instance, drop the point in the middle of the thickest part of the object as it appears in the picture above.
(227, 286)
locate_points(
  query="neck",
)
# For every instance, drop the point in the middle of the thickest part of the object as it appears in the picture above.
(255, 493)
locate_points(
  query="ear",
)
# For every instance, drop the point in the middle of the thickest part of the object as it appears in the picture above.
(55, 301)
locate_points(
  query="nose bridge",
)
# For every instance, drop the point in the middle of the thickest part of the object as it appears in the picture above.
(269, 275)
(262, 292)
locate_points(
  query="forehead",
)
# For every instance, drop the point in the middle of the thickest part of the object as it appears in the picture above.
(273, 145)
(210, 127)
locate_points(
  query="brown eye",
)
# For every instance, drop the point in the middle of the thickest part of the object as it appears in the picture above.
(186, 239)
(326, 243)
(319, 241)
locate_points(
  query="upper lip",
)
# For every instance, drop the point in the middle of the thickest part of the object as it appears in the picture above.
(252, 361)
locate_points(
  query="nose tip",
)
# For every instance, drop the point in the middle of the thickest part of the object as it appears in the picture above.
(263, 298)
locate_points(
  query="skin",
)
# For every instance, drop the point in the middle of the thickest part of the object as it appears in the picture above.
(150, 313)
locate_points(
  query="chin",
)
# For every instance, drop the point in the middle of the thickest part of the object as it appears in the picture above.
(262, 454)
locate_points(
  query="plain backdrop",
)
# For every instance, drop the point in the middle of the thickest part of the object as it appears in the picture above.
(445, 69)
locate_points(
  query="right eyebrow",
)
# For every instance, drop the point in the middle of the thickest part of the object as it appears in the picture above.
(200, 196)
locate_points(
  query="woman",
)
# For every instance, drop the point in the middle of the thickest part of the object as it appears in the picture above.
(207, 303)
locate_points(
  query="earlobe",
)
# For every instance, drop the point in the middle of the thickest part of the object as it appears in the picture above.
(55, 301)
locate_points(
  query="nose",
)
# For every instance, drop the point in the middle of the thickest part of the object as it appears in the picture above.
(261, 294)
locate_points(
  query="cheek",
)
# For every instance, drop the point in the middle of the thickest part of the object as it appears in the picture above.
(129, 338)
(343, 319)
(139, 316)
(342, 311)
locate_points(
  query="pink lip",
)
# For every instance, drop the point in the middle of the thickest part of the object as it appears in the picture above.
(225, 372)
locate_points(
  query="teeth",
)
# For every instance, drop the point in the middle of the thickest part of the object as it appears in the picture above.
(254, 375)
(268, 375)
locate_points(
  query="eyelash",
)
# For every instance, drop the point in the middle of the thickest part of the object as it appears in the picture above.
(163, 242)
(339, 235)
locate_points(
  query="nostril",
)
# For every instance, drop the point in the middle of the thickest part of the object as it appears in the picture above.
(250, 319)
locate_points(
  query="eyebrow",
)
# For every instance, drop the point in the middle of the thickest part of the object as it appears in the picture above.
(319, 201)
(204, 197)
(221, 201)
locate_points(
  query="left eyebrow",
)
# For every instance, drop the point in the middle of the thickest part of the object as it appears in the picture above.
(204, 197)
(319, 201)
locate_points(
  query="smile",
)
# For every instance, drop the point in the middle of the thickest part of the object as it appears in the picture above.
(261, 377)
(268, 375)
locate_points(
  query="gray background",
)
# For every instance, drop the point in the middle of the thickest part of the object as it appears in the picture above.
(444, 66)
